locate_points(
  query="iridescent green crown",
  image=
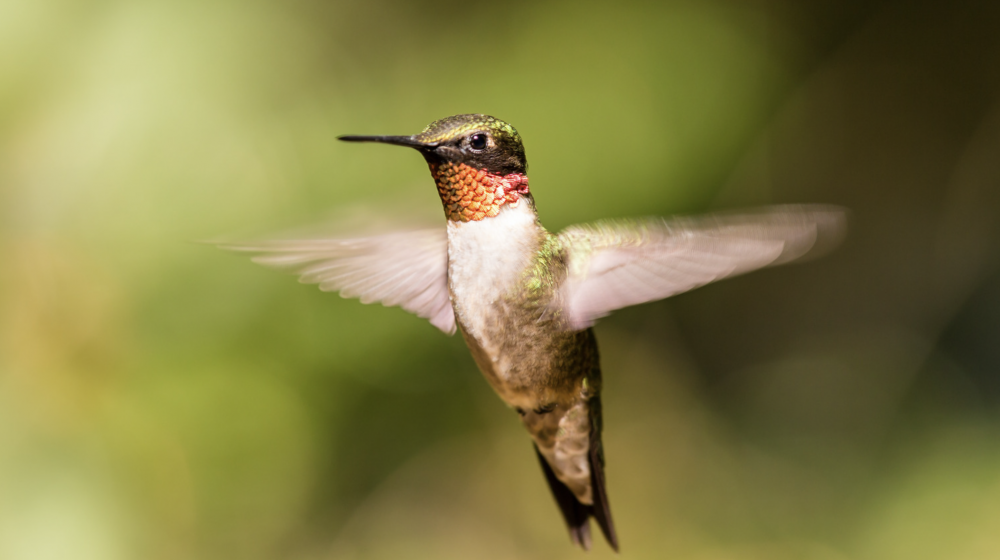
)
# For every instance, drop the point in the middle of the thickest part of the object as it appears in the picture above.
(456, 126)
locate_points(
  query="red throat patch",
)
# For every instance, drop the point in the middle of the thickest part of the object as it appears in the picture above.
(471, 194)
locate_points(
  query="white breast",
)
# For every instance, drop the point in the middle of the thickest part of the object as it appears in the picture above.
(485, 259)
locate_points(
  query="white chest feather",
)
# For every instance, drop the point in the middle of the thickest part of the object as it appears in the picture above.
(485, 259)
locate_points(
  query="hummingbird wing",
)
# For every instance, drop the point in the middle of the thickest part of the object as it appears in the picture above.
(404, 268)
(612, 264)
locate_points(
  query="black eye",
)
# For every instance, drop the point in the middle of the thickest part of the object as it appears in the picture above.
(478, 142)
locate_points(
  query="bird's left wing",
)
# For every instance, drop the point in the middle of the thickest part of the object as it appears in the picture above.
(611, 265)
(405, 268)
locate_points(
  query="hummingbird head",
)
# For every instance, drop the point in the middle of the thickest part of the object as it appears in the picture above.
(477, 162)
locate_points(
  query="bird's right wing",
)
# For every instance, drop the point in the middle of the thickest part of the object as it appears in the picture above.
(617, 264)
(406, 268)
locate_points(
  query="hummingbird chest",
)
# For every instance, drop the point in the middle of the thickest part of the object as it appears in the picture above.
(509, 327)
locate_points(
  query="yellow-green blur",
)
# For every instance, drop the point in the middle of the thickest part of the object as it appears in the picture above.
(161, 399)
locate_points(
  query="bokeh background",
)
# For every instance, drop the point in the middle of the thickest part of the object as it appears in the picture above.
(161, 399)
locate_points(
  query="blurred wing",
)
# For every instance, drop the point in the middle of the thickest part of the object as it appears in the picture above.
(616, 264)
(407, 268)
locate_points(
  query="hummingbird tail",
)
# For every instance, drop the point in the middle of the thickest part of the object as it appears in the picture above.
(576, 514)
(601, 510)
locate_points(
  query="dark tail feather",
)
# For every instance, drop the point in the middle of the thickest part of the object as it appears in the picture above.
(600, 510)
(576, 514)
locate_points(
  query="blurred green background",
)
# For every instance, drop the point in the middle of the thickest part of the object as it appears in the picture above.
(160, 399)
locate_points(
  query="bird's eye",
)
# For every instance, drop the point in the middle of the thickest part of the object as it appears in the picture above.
(478, 142)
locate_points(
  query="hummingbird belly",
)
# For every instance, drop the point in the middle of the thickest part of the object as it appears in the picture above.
(552, 393)
(546, 373)
(519, 345)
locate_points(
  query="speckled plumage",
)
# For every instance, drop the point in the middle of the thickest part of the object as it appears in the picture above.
(471, 194)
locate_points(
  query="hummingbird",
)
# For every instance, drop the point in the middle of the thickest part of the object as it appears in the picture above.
(526, 299)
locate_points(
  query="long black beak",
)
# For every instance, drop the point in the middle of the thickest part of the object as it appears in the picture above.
(395, 140)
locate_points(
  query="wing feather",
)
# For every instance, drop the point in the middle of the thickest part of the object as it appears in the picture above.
(617, 264)
(408, 269)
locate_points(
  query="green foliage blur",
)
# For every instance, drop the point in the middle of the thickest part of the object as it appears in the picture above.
(160, 399)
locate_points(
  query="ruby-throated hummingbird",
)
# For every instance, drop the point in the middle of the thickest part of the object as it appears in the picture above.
(526, 299)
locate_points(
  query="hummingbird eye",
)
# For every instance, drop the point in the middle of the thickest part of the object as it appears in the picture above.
(477, 141)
